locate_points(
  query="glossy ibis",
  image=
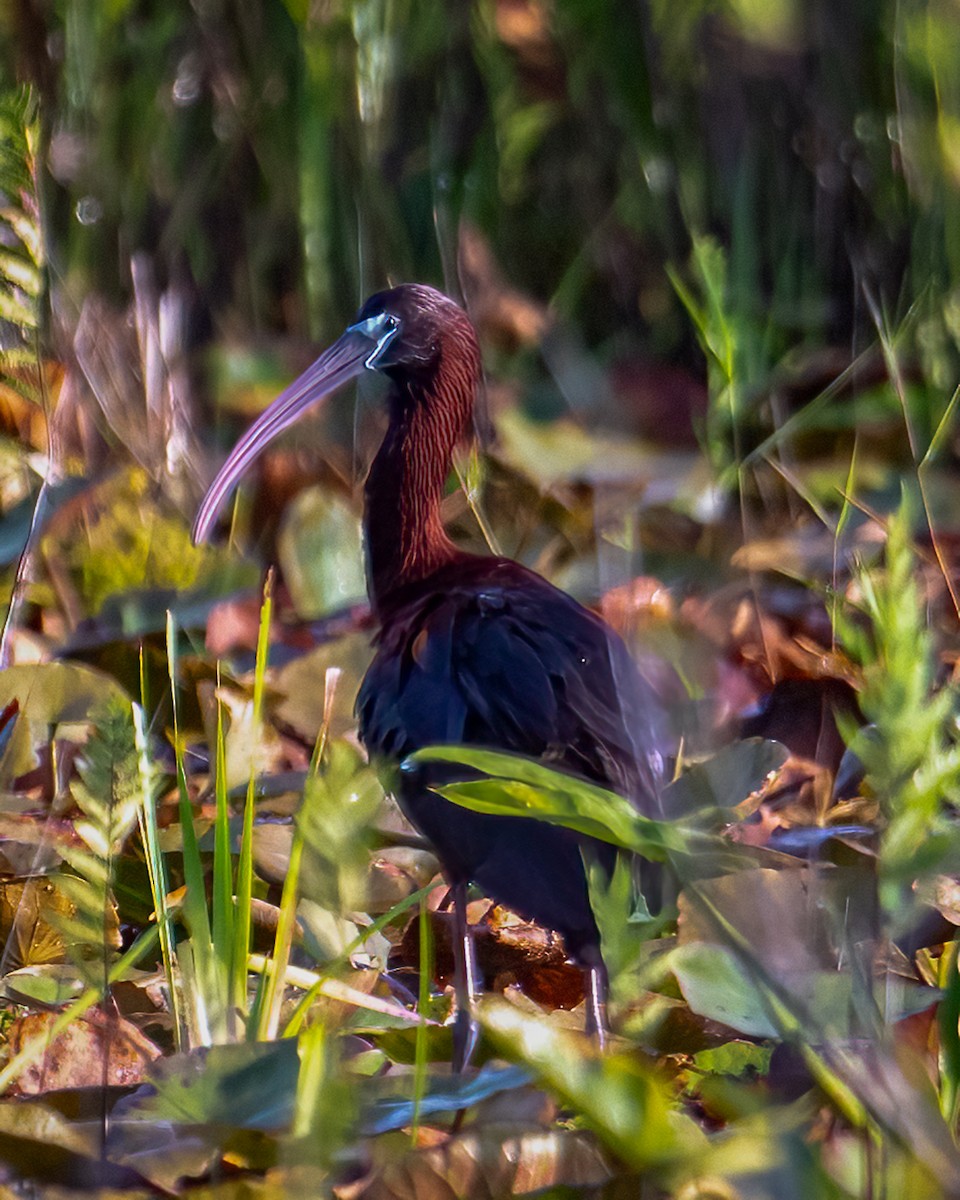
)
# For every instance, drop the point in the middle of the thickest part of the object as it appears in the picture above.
(470, 650)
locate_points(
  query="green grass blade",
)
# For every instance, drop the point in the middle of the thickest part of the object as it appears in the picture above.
(846, 512)
(156, 868)
(223, 904)
(269, 1017)
(202, 998)
(325, 1105)
(313, 1050)
(938, 440)
(242, 924)
(469, 477)
(295, 1023)
(948, 1021)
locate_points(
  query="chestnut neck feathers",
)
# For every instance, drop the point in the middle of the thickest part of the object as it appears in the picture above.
(431, 408)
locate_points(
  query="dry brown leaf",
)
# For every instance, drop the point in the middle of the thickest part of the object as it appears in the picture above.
(768, 631)
(28, 910)
(95, 1051)
(511, 953)
(497, 1161)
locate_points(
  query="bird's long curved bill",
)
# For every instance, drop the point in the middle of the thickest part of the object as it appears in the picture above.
(345, 359)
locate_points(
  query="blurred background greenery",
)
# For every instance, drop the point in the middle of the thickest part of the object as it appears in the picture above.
(278, 161)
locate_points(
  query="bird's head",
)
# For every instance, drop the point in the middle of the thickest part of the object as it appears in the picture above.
(414, 326)
(412, 333)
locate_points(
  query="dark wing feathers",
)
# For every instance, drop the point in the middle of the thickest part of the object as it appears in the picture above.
(505, 680)
(510, 662)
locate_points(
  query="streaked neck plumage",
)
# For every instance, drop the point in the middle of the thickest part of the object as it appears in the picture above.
(429, 415)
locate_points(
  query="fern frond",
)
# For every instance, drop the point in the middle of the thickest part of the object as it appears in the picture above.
(107, 795)
(22, 256)
(909, 750)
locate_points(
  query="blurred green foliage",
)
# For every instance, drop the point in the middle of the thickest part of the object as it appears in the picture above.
(288, 157)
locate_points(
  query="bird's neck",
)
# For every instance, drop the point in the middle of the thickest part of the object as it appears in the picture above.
(405, 538)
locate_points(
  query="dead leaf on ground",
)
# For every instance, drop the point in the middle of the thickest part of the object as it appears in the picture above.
(496, 1161)
(511, 952)
(96, 1050)
(28, 842)
(29, 913)
(784, 633)
(645, 599)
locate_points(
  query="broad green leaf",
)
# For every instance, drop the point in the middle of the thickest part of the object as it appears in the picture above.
(717, 985)
(399, 1041)
(524, 788)
(244, 1086)
(510, 797)
(50, 984)
(518, 786)
(384, 1109)
(791, 920)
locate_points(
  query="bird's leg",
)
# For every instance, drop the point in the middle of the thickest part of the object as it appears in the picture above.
(465, 1030)
(595, 987)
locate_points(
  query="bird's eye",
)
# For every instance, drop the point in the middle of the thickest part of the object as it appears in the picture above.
(384, 328)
